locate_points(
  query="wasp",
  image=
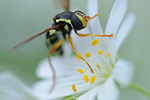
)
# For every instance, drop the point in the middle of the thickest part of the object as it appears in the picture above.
(64, 22)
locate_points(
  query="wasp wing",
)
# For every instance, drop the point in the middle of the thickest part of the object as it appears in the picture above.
(63, 3)
(34, 36)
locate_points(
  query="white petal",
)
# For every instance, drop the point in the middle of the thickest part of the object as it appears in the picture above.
(109, 91)
(80, 43)
(66, 75)
(41, 90)
(63, 87)
(116, 16)
(62, 66)
(95, 25)
(12, 89)
(124, 30)
(123, 72)
(90, 95)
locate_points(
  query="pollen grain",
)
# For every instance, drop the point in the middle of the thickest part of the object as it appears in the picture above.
(74, 88)
(93, 79)
(98, 66)
(95, 42)
(81, 71)
(100, 52)
(88, 54)
(108, 54)
(78, 56)
(86, 78)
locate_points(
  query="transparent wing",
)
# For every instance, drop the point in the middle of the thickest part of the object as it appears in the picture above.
(63, 3)
(32, 37)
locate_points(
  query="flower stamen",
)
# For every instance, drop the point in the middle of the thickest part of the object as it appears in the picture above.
(100, 52)
(98, 66)
(95, 42)
(107, 75)
(86, 78)
(74, 88)
(88, 54)
(81, 71)
(78, 56)
(93, 79)
(108, 54)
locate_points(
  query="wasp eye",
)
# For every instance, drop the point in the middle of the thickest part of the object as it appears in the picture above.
(78, 20)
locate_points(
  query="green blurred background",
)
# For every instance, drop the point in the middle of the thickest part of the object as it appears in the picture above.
(20, 19)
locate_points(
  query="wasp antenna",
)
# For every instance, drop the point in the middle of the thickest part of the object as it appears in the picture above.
(32, 37)
(89, 18)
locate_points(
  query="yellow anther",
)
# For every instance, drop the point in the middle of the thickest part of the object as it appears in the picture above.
(98, 66)
(109, 70)
(88, 54)
(81, 71)
(74, 88)
(108, 54)
(107, 75)
(86, 78)
(93, 79)
(95, 42)
(100, 52)
(78, 56)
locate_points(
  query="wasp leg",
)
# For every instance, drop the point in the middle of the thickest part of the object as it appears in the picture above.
(89, 18)
(56, 46)
(84, 35)
(71, 43)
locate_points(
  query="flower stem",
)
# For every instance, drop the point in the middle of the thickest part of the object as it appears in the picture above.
(143, 91)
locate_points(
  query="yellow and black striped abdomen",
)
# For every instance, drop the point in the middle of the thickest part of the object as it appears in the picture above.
(51, 39)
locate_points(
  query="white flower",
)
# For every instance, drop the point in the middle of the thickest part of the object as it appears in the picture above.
(11, 88)
(74, 77)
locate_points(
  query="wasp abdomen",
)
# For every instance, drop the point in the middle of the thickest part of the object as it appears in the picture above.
(51, 40)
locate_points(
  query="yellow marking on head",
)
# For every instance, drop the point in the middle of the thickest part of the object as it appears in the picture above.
(95, 42)
(81, 71)
(88, 54)
(64, 20)
(78, 56)
(66, 27)
(86, 78)
(74, 88)
(98, 66)
(82, 19)
(51, 32)
(108, 54)
(93, 79)
(100, 52)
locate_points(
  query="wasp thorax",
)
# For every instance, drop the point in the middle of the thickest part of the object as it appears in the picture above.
(78, 20)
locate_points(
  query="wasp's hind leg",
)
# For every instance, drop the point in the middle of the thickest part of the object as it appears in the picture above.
(71, 43)
(56, 46)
